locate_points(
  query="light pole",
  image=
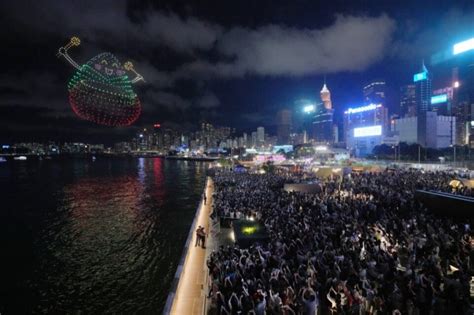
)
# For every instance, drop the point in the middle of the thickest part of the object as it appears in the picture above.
(454, 147)
(419, 154)
(454, 154)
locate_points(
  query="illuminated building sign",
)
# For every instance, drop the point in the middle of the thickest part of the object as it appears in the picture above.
(419, 76)
(463, 46)
(442, 98)
(286, 148)
(368, 131)
(362, 109)
(308, 108)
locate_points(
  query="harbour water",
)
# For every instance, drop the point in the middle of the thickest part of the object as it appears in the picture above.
(83, 236)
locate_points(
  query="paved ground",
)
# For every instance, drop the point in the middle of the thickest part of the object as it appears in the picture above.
(190, 294)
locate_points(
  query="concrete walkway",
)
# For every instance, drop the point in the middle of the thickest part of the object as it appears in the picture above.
(190, 294)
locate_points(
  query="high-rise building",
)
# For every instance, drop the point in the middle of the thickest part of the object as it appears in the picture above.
(464, 110)
(326, 97)
(323, 118)
(375, 92)
(260, 136)
(454, 69)
(253, 142)
(362, 117)
(422, 82)
(441, 130)
(408, 100)
(283, 126)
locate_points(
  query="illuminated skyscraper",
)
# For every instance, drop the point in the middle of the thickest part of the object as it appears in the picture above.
(374, 92)
(365, 116)
(454, 68)
(323, 118)
(408, 101)
(422, 82)
(326, 97)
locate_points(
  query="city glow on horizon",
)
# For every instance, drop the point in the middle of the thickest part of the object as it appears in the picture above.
(463, 46)
(362, 109)
(442, 98)
(368, 131)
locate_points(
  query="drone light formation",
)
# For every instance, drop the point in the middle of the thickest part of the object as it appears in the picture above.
(101, 91)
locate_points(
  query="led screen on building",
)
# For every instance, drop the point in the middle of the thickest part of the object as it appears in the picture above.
(419, 76)
(463, 46)
(368, 131)
(437, 99)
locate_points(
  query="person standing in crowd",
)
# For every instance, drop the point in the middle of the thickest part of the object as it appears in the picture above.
(202, 234)
(198, 237)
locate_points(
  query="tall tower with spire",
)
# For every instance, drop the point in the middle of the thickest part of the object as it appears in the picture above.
(422, 82)
(326, 96)
(323, 118)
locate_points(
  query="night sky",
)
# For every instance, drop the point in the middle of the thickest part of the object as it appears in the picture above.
(233, 63)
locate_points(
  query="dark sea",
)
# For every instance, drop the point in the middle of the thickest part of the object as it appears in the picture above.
(87, 237)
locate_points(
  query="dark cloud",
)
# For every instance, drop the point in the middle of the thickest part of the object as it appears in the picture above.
(169, 100)
(208, 100)
(350, 44)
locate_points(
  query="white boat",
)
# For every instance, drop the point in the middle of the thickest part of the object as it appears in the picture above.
(2, 159)
(20, 158)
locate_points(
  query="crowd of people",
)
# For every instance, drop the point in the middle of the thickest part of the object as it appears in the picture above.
(361, 245)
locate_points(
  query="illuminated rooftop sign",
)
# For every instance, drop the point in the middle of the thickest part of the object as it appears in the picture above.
(463, 46)
(442, 98)
(308, 108)
(362, 109)
(368, 131)
(419, 76)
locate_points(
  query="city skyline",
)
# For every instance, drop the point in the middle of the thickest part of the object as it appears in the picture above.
(185, 86)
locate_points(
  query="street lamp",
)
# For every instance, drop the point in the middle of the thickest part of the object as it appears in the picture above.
(419, 154)
(454, 153)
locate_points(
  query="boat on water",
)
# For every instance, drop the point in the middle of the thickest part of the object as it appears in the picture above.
(20, 158)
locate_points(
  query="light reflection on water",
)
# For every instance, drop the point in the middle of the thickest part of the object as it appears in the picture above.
(105, 235)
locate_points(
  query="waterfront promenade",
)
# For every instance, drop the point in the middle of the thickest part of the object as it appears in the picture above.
(190, 293)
